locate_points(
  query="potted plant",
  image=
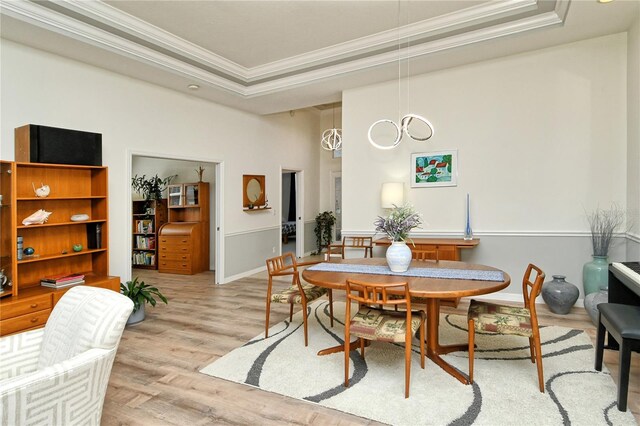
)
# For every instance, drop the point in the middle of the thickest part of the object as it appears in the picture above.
(150, 188)
(324, 229)
(397, 226)
(140, 294)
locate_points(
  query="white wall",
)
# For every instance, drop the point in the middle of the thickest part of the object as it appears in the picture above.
(633, 137)
(541, 137)
(132, 115)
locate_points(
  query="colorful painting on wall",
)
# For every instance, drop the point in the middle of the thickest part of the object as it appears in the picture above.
(434, 169)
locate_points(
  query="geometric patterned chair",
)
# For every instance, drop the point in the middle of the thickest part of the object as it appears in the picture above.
(501, 319)
(384, 325)
(58, 375)
(296, 293)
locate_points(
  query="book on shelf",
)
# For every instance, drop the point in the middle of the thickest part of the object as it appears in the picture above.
(62, 284)
(144, 226)
(62, 278)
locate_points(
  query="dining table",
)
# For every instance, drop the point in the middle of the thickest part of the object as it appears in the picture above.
(430, 280)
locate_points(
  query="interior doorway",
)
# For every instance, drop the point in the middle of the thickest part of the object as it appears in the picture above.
(184, 170)
(292, 225)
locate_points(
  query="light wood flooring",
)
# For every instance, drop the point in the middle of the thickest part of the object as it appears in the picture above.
(155, 378)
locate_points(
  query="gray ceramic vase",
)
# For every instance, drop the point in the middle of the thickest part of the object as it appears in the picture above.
(559, 295)
(591, 302)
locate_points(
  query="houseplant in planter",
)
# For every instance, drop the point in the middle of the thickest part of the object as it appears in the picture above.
(324, 229)
(603, 224)
(140, 294)
(397, 226)
(151, 188)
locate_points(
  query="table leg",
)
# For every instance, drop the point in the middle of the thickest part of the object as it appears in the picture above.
(434, 349)
(340, 348)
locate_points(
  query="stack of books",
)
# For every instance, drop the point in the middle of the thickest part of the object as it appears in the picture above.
(60, 281)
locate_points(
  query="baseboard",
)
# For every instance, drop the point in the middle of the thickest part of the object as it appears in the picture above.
(245, 274)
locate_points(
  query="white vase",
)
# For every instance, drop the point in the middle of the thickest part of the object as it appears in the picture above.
(398, 256)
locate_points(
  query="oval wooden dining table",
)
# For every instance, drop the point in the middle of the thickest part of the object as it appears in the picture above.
(432, 289)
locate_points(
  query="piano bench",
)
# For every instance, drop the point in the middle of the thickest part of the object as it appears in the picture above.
(623, 323)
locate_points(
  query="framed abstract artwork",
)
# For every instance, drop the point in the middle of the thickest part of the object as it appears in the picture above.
(434, 169)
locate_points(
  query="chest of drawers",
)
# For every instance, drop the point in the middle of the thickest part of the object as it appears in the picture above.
(179, 250)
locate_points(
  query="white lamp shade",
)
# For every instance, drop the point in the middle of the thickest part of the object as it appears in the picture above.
(392, 193)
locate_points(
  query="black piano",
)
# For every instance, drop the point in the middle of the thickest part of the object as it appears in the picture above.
(624, 288)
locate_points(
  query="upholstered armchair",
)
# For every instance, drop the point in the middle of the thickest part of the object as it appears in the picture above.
(58, 375)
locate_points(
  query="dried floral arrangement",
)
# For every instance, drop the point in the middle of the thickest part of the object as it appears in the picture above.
(604, 224)
(399, 223)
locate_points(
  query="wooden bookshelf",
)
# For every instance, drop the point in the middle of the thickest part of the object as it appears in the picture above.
(74, 190)
(147, 218)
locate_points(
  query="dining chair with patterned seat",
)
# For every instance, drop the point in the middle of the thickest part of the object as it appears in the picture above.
(379, 324)
(352, 243)
(296, 293)
(484, 317)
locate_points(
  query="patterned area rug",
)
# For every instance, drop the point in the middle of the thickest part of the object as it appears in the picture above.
(505, 391)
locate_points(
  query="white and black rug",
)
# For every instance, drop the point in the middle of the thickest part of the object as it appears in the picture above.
(505, 391)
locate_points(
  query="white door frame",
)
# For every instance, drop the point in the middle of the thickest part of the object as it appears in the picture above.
(299, 179)
(218, 265)
(332, 196)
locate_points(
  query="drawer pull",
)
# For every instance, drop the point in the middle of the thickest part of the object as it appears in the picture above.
(34, 305)
(184, 257)
(34, 319)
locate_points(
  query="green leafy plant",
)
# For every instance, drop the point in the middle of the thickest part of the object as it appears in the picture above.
(151, 187)
(141, 293)
(324, 229)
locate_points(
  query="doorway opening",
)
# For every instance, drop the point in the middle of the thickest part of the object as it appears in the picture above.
(184, 171)
(292, 227)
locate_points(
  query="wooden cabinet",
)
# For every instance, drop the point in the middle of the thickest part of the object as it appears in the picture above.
(189, 203)
(179, 251)
(74, 190)
(446, 248)
(147, 218)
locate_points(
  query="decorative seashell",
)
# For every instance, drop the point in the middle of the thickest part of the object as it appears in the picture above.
(37, 218)
(41, 192)
(79, 217)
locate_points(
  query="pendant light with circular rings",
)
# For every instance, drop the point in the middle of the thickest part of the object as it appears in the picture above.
(401, 130)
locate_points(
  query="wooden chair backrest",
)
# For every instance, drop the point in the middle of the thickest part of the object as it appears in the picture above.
(531, 288)
(376, 293)
(425, 254)
(357, 242)
(281, 263)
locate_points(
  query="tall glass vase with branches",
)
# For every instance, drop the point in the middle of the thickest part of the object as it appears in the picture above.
(603, 224)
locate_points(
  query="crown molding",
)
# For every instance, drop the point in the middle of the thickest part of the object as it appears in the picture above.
(471, 16)
(214, 70)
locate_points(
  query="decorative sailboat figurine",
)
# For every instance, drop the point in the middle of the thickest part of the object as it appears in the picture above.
(468, 233)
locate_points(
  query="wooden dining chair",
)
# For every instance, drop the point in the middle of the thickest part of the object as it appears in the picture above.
(353, 243)
(492, 318)
(296, 293)
(431, 256)
(383, 325)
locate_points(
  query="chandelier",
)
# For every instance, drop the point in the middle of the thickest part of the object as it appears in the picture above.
(403, 127)
(332, 138)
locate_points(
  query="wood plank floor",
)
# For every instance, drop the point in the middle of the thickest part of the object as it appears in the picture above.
(155, 378)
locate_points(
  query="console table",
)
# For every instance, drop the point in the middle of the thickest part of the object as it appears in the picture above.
(447, 248)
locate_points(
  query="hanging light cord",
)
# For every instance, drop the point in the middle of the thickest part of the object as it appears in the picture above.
(406, 120)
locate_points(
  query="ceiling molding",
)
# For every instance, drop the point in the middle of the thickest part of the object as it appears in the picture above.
(180, 57)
